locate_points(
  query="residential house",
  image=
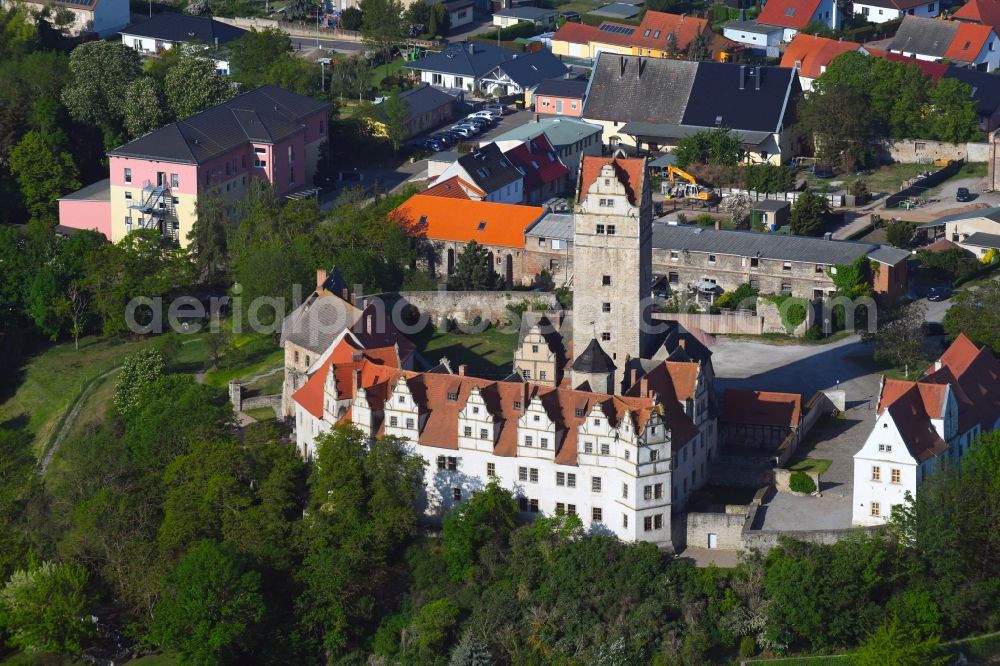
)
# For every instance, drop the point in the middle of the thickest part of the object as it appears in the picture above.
(446, 225)
(521, 74)
(268, 133)
(461, 65)
(976, 231)
(545, 175)
(759, 38)
(548, 246)
(923, 426)
(622, 464)
(168, 30)
(560, 97)
(880, 11)
(758, 420)
(965, 44)
(810, 55)
(489, 170)
(651, 103)
(460, 12)
(770, 214)
(541, 17)
(772, 263)
(427, 107)
(571, 138)
(88, 208)
(103, 17)
(652, 37)
(334, 312)
(794, 15)
(455, 187)
(984, 12)
(617, 10)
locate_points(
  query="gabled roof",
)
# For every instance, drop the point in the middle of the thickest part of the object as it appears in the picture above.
(631, 171)
(459, 220)
(914, 423)
(926, 36)
(814, 53)
(184, 28)
(657, 26)
(969, 41)
(986, 12)
(761, 408)
(489, 168)
(537, 160)
(788, 13)
(576, 33)
(593, 359)
(560, 131)
(347, 357)
(628, 88)
(464, 59)
(528, 13)
(530, 69)
(424, 98)
(455, 187)
(570, 88)
(982, 239)
(265, 115)
(673, 383)
(759, 105)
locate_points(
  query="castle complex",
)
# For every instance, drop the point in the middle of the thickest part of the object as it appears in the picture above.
(620, 436)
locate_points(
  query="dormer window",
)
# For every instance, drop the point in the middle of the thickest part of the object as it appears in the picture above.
(452, 396)
(579, 411)
(517, 404)
(482, 225)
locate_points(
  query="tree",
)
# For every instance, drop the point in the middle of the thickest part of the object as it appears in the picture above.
(769, 178)
(672, 49)
(900, 233)
(382, 25)
(298, 10)
(210, 606)
(953, 116)
(252, 54)
(892, 644)
(976, 313)
(698, 49)
(76, 308)
(102, 73)
(474, 270)
(717, 146)
(193, 85)
(139, 371)
(738, 206)
(351, 19)
(809, 214)
(394, 110)
(840, 121)
(43, 173)
(44, 608)
(209, 237)
(488, 518)
(442, 17)
(144, 107)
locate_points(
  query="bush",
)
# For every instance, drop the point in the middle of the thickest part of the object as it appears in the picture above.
(748, 647)
(814, 332)
(704, 220)
(800, 482)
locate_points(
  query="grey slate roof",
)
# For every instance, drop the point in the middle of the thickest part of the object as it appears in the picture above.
(769, 246)
(184, 28)
(661, 91)
(667, 131)
(618, 10)
(265, 115)
(593, 359)
(489, 168)
(531, 69)
(99, 191)
(982, 239)
(425, 98)
(553, 225)
(527, 13)
(464, 59)
(925, 36)
(773, 205)
(562, 88)
(753, 27)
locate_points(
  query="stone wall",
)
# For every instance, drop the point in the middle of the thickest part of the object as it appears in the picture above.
(920, 151)
(727, 528)
(771, 321)
(727, 322)
(764, 541)
(241, 404)
(462, 306)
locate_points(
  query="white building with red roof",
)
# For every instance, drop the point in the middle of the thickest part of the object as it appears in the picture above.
(781, 20)
(923, 425)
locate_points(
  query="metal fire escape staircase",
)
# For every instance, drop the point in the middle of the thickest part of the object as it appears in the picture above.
(156, 209)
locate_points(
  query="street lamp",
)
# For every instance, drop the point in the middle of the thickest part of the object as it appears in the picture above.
(323, 62)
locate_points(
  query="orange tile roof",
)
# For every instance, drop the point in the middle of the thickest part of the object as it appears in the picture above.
(652, 32)
(814, 53)
(455, 187)
(761, 408)
(788, 13)
(342, 360)
(960, 354)
(673, 382)
(577, 33)
(986, 12)
(631, 171)
(921, 438)
(486, 222)
(968, 42)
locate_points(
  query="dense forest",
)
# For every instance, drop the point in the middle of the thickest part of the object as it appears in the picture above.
(179, 533)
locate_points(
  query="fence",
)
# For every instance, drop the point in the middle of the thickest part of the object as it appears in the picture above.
(836, 199)
(921, 185)
(739, 323)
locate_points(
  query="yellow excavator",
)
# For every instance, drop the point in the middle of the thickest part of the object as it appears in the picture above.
(690, 190)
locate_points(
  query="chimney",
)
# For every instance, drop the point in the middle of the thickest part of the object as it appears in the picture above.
(743, 76)
(472, 48)
(682, 343)
(643, 388)
(718, 225)
(321, 276)
(535, 118)
(622, 73)
(216, 42)
(757, 73)
(461, 369)
(345, 294)
(357, 380)
(632, 376)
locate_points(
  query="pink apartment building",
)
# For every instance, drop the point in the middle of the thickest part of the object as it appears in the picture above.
(560, 97)
(155, 180)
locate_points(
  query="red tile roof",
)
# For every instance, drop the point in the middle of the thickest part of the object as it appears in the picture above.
(652, 32)
(673, 382)
(935, 70)
(968, 42)
(631, 172)
(915, 427)
(986, 12)
(578, 33)
(538, 161)
(486, 222)
(342, 360)
(814, 53)
(455, 187)
(942, 245)
(788, 13)
(761, 408)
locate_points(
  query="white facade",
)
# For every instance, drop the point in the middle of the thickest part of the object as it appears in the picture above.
(767, 42)
(454, 81)
(152, 46)
(884, 471)
(512, 193)
(987, 60)
(879, 14)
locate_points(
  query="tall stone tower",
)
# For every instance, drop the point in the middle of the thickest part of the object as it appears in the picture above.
(612, 260)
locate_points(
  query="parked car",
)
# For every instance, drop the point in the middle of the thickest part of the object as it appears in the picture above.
(485, 115)
(939, 293)
(452, 135)
(479, 121)
(446, 139)
(465, 131)
(474, 126)
(962, 194)
(432, 144)
(498, 110)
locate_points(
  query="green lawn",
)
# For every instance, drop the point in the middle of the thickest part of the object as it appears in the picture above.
(888, 178)
(251, 355)
(383, 71)
(816, 465)
(267, 385)
(261, 414)
(488, 353)
(53, 380)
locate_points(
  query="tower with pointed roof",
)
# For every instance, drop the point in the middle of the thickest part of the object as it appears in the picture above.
(613, 269)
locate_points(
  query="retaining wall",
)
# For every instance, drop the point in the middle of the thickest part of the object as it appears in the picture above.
(727, 528)
(241, 404)
(464, 306)
(921, 151)
(726, 322)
